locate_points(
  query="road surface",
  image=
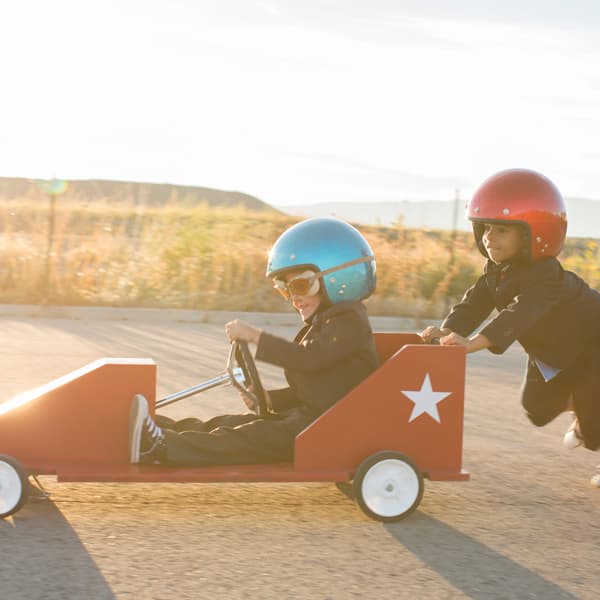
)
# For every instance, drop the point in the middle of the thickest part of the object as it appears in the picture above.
(527, 525)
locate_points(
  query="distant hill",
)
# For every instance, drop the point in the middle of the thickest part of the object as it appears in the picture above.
(583, 214)
(148, 194)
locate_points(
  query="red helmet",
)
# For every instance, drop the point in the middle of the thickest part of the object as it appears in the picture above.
(522, 197)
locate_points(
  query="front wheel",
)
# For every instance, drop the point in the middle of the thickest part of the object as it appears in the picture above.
(388, 486)
(14, 486)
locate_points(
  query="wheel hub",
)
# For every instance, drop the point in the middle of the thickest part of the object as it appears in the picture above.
(390, 488)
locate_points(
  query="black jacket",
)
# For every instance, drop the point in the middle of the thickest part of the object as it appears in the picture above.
(328, 357)
(553, 313)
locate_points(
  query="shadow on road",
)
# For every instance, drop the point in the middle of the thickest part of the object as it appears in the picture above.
(38, 547)
(469, 565)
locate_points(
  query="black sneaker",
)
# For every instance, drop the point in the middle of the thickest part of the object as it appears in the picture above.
(146, 438)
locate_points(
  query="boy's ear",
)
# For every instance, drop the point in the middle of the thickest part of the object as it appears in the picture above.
(526, 241)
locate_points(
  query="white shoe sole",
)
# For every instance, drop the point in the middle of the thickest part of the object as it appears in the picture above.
(137, 416)
(595, 480)
(571, 440)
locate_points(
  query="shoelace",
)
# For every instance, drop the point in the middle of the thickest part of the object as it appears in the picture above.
(155, 432)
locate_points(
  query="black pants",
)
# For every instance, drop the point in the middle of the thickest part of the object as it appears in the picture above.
(543, 401)
(227, 440)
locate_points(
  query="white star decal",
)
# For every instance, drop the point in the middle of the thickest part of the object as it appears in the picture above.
(425, 400)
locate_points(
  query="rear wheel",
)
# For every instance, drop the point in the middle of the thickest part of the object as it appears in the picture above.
(388, 486)
(14, 486)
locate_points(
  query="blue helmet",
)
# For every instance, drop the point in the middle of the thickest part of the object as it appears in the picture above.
(338, 252)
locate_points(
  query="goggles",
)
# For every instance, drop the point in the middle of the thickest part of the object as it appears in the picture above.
(304, 284)
(307, 282)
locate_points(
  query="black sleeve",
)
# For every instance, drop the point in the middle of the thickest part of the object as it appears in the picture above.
(341, 335)
(539, 292)
(471, 311)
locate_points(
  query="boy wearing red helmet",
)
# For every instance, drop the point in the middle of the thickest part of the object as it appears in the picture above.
(519, 223)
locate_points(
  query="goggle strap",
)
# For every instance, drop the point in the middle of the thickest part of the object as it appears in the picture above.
(345, 265)
(350, 263)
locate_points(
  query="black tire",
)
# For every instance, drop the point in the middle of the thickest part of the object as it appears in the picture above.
(388, 486)
(346, 488)
(14, 486)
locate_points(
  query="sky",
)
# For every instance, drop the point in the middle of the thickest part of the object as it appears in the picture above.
(303, 101)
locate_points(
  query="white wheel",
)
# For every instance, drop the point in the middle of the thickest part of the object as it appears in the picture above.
(14, 486)
(388, 486)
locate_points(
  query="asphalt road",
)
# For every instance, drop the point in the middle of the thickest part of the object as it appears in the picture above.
(527, 525)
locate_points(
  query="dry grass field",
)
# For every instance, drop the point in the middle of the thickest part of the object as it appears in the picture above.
(207, 257)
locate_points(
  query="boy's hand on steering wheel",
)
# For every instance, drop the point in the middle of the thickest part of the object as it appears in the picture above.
(250, 403)
(240, 331)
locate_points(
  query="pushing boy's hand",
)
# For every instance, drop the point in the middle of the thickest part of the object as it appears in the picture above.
(477, 342)
(431, 332)
(453, 339)
(240, 331)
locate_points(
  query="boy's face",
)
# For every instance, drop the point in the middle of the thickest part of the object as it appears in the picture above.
(305, 305)
(502, 242)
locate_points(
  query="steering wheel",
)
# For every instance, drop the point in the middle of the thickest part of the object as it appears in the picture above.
(240, 354)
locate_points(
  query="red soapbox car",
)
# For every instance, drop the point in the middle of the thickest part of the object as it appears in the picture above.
(400, 425)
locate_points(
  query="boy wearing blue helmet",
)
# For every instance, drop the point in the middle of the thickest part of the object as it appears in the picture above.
(325, 268)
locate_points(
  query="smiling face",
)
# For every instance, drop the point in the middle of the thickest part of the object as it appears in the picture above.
(502, 241)
(305, 305)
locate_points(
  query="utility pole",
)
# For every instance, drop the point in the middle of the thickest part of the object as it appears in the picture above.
(53, 187)
(453, 234)
(452, 242)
